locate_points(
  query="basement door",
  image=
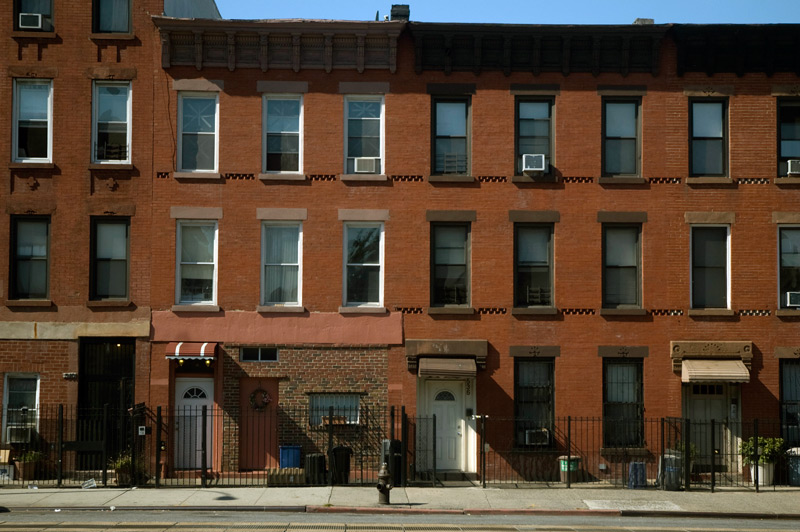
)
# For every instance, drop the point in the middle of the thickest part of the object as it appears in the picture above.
(446, 400)
(190, 397)
(718, 401)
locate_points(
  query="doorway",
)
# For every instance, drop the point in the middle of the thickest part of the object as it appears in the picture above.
(446, 402)
(191, 395)
(704, 402)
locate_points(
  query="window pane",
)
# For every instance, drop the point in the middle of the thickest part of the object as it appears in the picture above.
(620, 286)
(280, 284)
(31, 282)
(112, 103)
(451, 245)
(707, 120)
(281, 243)
(113, 16)
(199, 115)
(363, 245)
(344, 406)
(531, 128)
(451, 119)
(790, 148)
(31, 239)
(22, 392)
(197, 282)
(370, 109)
(534, 110)
(533, 244)
(620, 156)
(622, 246)
(710, 246)
(451, 156)
(112, 278)
(35, 6)
(707, 157)
(363, 284)
(621, 380)
(33, 98)
(283, 116)
(112, 241)
(197, 243)
(790, 380)
(621, 119)
(198, 152)
(789, 263)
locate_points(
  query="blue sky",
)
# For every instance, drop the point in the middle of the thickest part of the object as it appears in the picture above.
(527, 11)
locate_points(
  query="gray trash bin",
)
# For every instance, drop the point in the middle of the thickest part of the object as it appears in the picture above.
(794, 466)
(672, 478)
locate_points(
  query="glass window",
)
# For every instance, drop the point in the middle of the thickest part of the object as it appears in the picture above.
(33, 15)
(533, 265)
(258, 354)
(623, 403)
(364, 134)
(710, 267)
(621, 137)
(33, 113)
(112, 125)
(282, 274)
(283, 142)
(197, 262)
(790, 401)
(534, 133)
(533, 400)
(20, 408)
(790, 264)
(197, 135)
(345, 408)
(363, 264)
(450, 254)
(110, 258)
(451, 136)
(789, 134)
(30, 246)
(709, 144)
(111, 16)
(621, 277)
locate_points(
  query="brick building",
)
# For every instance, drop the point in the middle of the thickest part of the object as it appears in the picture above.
(515, 221)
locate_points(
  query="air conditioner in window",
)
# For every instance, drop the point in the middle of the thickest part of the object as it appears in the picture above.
(533, 162)
(18, 434)
(793, 299)
(794, 167)
(30, 21)
(365, 165)
(537, 437)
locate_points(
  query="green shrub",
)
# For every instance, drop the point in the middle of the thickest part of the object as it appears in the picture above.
(769, 450)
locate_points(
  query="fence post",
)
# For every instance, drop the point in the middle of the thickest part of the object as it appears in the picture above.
(662, 467)
(713, 457)
(60, 444)
(757, 452)
(105, 444)
(158, 447)
(483, 451)
(687, 443)
(204, 447)
(403, 447)
(569, 451)
(331, 464)
(433, 432)
(391, 423)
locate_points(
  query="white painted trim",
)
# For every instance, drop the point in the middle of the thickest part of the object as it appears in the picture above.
(728, 271)
(263, 275)
(178, 273)
(365, 98)
(5, 398)
(15, 125)
(380, 264)
(129, 119)
(200, 96)
(264, 130)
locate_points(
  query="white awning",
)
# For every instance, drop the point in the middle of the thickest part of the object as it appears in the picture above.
(444, 368)
(191, 350)
(708, 370)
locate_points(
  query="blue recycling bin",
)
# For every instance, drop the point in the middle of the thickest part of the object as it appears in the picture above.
(637, 475)
(290, 456)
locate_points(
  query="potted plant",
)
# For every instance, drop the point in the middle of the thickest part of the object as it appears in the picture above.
(769, 451)
(27, 464)
(127, 474)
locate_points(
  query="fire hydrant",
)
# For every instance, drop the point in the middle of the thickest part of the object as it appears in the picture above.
(384, 484)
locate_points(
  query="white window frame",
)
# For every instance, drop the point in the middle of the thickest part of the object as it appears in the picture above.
(35, 422)
(348, 100)
(178, 263)
(299, 225)
(265, 131)
(380, 264)
(316, 412)
(781, 294)
(129, 108)
(184, 95)
(727, 264)
(15, 129)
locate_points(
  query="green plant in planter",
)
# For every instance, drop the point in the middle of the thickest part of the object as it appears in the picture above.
(680, 446)
(30, 456)
(125, 471)
(769, 450)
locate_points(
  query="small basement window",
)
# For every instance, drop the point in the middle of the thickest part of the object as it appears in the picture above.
(258, 354)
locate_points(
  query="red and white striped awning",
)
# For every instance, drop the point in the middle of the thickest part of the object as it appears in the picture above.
(191, 350)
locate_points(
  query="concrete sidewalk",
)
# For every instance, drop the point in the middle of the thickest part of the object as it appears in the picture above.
(778, 503)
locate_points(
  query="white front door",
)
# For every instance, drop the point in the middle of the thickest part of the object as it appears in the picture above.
(447, 404)
(704, 402)
(190, 397)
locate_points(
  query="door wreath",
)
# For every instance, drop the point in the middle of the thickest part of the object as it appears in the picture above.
(259, 399)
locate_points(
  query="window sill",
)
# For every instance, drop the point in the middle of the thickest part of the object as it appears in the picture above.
(622, 181)
(787, 181)
(451, 178)
(280, 309)
(363, 177)
(195, 308)
(196, 175)
(534, 311)
(710, 181)
(22, 303)
(109, 303)
(787, 313)
(282, 177)
(624, 451)
(623, 312)
(111, 166)
(457, 311)
(711, 312)
(362, 310)
(112, 36)
(31, 166)
(23, 34)
(541, 178)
